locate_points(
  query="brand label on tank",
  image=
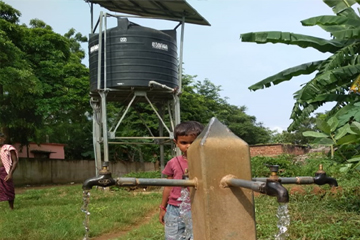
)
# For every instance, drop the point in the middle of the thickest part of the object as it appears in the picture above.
(94, 48)
(160, 46)
(123, 39)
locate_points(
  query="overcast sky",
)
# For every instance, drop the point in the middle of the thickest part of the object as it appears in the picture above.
(216, 52)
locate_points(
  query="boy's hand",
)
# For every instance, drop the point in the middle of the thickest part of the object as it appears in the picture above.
(161, 216)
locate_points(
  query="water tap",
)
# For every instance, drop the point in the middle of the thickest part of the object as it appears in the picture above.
(104, 179)
(274, 170)
(273, 185)
(321, 178)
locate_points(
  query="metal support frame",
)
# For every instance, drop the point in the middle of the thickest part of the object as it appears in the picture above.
(100, 128)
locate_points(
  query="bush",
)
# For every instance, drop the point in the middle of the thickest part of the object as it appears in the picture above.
(259, 165)
(151, 174)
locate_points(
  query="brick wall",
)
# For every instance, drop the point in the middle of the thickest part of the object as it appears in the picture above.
(277, 149)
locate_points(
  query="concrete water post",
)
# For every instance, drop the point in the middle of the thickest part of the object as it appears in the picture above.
(217, 212)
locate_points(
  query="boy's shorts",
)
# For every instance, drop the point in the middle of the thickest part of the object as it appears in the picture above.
(174, 226)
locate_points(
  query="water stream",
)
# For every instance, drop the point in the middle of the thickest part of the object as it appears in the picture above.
(84, 209)
(185, 213)
(283, 221)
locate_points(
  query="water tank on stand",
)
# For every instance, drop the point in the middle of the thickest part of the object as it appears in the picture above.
(135, 55)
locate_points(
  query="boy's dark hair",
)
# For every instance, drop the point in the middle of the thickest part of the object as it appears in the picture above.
(188, 128)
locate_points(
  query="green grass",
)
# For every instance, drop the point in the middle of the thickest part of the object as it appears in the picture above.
(54, 213)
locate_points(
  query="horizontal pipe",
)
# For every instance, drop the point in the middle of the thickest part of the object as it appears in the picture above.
(122, 182)
(290, 180)
(231, 181)
(255, 186)
(142, 138)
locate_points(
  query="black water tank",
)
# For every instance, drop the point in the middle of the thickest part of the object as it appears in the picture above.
(135, 55)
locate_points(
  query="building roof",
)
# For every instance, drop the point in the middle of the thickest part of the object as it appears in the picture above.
(173, 10)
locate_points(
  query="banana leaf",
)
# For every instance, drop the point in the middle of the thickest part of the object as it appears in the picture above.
(325, 20)
(300, 40)
(286, 75)
(339, 6)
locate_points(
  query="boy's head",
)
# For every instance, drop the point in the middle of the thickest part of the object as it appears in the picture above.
(185, 133)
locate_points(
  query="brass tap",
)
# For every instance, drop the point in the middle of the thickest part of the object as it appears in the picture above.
(321, 170)
(274, 170)
(104, 179)
(321, 178)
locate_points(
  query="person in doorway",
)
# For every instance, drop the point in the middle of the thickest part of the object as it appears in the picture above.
(184, 135)
(8, 164)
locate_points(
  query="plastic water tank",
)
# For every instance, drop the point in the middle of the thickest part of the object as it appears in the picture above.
(135, 55)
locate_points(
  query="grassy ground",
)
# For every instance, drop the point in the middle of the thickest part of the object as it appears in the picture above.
(54, 213)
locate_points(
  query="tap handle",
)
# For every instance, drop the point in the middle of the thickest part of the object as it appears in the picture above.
(273, 168)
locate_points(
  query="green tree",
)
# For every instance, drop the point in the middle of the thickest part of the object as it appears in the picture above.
(19, 85)
(296, 136)
(335, 75)
(44, 84)
(201, 101)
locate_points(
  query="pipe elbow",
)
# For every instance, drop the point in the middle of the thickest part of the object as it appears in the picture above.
(321, 179)
(274, 188)
(283, 195)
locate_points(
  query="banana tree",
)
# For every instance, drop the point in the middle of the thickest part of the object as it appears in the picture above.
(335, 76)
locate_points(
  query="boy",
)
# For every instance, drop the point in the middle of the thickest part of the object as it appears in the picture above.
(184, 135)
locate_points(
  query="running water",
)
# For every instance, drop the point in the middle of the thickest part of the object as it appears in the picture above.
(284, 221)
(185, 213)
(84, 209)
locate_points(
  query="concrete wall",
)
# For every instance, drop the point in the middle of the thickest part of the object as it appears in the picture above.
(58, 171)
(50, 150)
(277, 149)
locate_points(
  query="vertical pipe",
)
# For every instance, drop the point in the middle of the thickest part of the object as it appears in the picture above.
(176, 98)
(104, 124)
(92, 17)
(96, 136)
(99, 52)
(161, 142)
(105, 70)
(181, 52)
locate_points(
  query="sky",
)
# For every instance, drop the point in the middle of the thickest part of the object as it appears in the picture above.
(216, 52)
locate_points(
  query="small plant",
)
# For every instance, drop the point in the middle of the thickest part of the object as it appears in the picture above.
(341, 136)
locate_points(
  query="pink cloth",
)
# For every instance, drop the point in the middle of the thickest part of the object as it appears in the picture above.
(6, 156)
(175, 168)
(7, 189)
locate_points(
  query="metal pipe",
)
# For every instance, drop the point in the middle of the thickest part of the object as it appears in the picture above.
(234, 182)
(123, 182)
(271, 187)
(290, 180)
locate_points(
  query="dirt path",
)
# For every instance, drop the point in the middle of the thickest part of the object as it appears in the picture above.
(116, 234)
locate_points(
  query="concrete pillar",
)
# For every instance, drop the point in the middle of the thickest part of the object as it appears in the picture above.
(217, 212)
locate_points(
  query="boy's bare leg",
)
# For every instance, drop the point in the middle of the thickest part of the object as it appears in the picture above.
(11, 204)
